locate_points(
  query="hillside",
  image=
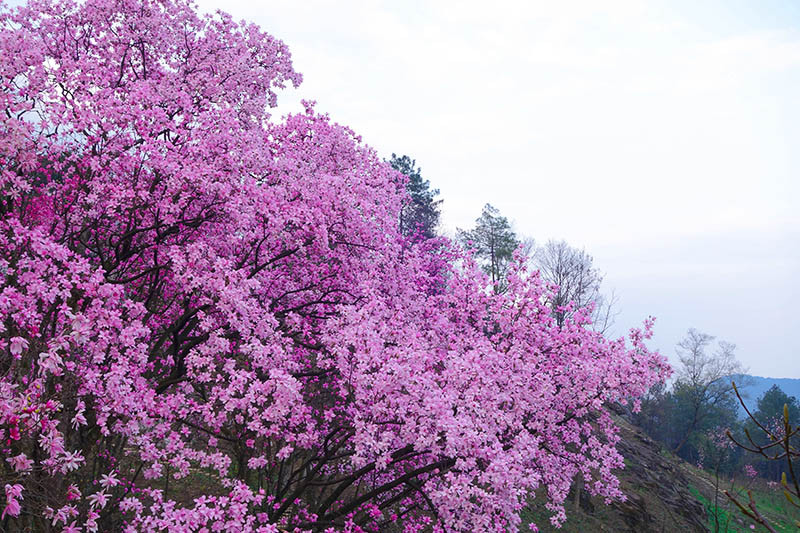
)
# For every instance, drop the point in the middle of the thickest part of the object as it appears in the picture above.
(664, 494)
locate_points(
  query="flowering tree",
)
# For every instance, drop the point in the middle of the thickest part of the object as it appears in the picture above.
(209, 319)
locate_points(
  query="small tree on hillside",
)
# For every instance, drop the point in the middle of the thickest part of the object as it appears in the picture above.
(703, 379)
(769, 407)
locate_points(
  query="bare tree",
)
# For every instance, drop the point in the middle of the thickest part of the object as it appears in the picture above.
(704, 379)
(578, 283)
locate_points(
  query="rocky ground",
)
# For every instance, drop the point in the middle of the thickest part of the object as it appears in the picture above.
(657, 486)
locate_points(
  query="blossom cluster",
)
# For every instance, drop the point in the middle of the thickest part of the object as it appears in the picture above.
(209, 320)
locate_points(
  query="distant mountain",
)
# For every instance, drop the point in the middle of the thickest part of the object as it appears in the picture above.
(759, 386)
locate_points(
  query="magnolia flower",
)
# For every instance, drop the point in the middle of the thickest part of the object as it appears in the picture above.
(130, 504)
(109, 480)
(79, 419)
(51, 362)
(98, 499)
(79, 329)
(91, 521)
(18, 344)
(64, 513)
(13, 493)
(284, 452)
(72, 528)
(12, 508)
(73, 493)
(72, 461)
(20, 463)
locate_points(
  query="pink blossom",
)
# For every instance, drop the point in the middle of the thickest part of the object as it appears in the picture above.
(98, 499)
(13, 495)
(71, 461)
(79, 420)
(91, 521)
(17, 346)
(20, 463)
(73, 493)
(109, 480)
(220, 289)
(72, 528)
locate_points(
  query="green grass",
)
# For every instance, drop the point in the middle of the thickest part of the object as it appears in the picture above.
(727, 523)
(773, 504)
(539, 515)
(769, 502)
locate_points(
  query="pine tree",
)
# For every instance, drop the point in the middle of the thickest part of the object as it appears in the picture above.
(419, 215)
(493, 242)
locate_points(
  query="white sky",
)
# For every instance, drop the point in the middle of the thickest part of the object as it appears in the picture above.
(663, 137)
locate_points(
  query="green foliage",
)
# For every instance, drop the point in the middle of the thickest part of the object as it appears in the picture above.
(770, 502)
(493, 242)
(420, 214)
(770, 406)
(701, 405)
(719, 519)
(769, 413)
(670, 417)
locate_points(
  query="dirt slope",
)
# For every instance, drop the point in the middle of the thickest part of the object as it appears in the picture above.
(657, 488)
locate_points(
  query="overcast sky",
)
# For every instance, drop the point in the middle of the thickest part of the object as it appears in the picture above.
(664, 137)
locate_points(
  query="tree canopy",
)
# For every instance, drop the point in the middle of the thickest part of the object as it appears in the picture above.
(704, 378)
(578, 282)
(770, 405)
(769, 414)
(493, 243)
(209, 319)
(420, 212)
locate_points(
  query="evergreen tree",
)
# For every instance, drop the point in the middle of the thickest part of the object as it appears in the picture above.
(493, 242)
(770, 406)
(420, 213)
(769, 413)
